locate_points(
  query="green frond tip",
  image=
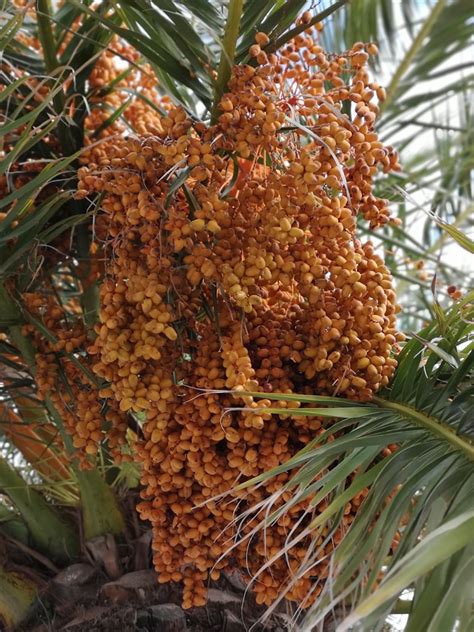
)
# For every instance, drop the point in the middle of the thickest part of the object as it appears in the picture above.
(438, 546)
(46, 36)
(431, 424)
(411, 53)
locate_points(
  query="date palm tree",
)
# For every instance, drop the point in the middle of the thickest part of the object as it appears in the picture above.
(411, 446)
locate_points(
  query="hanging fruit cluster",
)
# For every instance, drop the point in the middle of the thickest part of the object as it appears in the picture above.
(233, 266)
(64, 377)
(132, 91)
(63, 369)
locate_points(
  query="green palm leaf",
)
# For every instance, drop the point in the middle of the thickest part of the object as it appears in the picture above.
(439, 545)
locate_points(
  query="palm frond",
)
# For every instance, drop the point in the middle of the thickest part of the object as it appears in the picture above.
(184, 41)
(432, 47)
(376, 20)
(48, 530)
(156, 31)
(440, 545)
